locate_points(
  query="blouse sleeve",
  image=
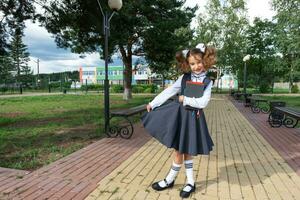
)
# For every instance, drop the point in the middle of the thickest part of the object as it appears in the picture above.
(199, 102)
(167, 93)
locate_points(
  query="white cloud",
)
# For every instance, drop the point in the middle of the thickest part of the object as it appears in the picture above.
(256, 8)
(192, 3)
(260, 8)
(72, 63)
(53, 59)
(41, 46)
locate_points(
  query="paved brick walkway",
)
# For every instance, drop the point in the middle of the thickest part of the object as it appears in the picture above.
(74, 176)
(285, 140)
(243, 165)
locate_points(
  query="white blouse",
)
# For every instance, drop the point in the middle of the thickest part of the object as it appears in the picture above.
(176, 89)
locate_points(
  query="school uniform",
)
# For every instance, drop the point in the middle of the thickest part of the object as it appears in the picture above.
(175, 126)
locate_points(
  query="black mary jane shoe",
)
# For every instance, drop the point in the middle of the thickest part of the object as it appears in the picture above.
(185, 194)
(157, 187)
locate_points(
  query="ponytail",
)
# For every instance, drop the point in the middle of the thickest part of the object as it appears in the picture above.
(182, 62)
(209, 58)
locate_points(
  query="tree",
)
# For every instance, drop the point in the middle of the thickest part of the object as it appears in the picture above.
(20, 56)
(162, 46)
(288, 34)
(260, 45)
(223, 25)
(77, 25)
(13, 14)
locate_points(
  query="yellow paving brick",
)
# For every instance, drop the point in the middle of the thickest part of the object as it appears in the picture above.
(269, 169)
(152, 196)
(147, 165)
(242, 165)
(141, 195)
(139, 164)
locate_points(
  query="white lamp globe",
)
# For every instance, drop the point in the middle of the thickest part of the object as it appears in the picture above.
(247, 57)
(115, 5)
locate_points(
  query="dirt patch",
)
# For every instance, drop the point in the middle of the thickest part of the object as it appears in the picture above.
(117, 102)
(11, 115)
(37, 122)
(88, 128)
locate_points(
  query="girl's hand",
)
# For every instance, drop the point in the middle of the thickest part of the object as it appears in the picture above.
(181, 97)
(149, 108)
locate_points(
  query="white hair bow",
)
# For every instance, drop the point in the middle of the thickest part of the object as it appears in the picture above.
(184, 52)
(201, 46)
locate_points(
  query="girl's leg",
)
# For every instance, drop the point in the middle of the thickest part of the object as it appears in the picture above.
(188, 163)
(176, 165)
(178, 157)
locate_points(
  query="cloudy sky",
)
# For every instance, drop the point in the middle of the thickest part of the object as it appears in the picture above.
(41, 44)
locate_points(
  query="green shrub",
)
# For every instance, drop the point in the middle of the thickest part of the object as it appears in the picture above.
(148, 90)
(117, 88)
(294, 89)
(137, 89)
(4, 89)
(92, 87)
(144, 88)
(264, 87)
(55, 85)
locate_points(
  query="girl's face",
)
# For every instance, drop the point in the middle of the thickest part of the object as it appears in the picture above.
(196, 64)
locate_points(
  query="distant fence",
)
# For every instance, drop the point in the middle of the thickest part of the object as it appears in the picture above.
(285, 85)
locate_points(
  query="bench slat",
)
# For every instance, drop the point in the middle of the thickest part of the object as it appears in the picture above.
(129, 111)
(257, 99)
(289, 111)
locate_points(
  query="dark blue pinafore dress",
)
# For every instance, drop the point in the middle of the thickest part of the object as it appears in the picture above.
(180, 128)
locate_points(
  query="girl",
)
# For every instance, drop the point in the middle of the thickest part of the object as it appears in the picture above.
(177, 127)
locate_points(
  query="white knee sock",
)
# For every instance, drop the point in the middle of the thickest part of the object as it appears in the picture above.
(172, 174)
(189, 174)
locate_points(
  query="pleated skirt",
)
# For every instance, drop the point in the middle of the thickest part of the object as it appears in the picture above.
(176, 127)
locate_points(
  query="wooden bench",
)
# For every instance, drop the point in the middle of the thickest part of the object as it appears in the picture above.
(247, 97)
(232, 92)
(125, 130)
(237, 95)
(256, 107)
(287, 116)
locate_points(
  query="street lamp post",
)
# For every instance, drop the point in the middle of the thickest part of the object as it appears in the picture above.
(245, 59)
(38, 71)
(115, 5)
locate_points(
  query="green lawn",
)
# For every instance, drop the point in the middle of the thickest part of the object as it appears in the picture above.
(291, 101)
(35, 131)
(253, 90)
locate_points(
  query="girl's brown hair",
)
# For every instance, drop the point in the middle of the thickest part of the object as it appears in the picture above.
(208, 57)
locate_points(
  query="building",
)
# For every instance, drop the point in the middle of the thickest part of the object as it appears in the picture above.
(96, 75)
(115, 75)
(87, 75)
(228, 80)
(141, 74)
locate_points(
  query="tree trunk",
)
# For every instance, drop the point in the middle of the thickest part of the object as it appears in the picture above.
(163, 81)
(127, 60)
(218, 79)
(291, 80)
(127, 84)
